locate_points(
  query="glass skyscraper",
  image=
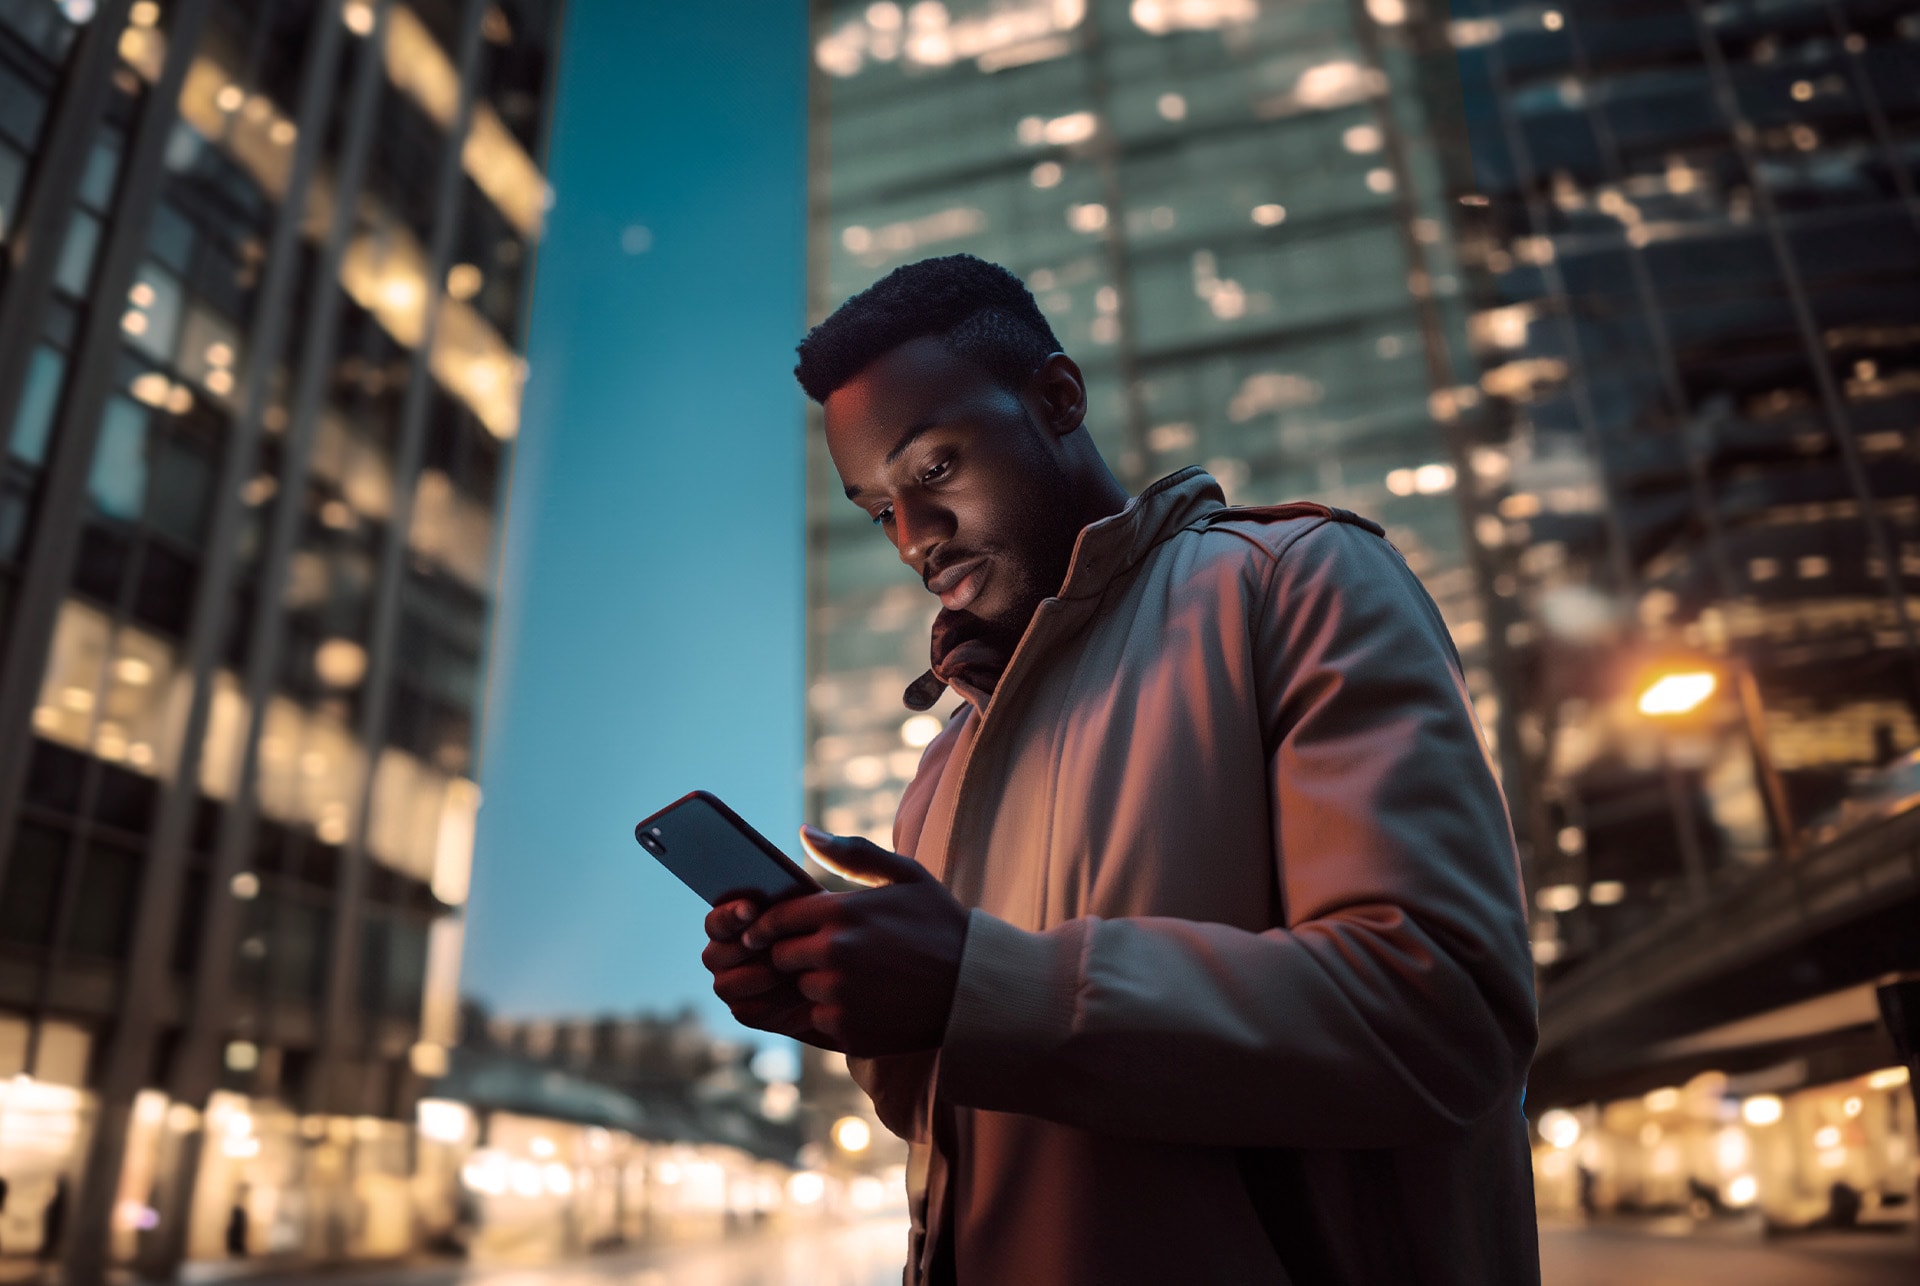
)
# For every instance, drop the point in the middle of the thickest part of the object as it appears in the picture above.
(265, 273)
(1702, 240)
(1699, 239)
(1240, 220)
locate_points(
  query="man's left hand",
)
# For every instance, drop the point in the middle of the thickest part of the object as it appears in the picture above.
(878, 965)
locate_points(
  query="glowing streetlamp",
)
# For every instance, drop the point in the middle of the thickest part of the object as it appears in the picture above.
(1681, 692)
(1677, 694)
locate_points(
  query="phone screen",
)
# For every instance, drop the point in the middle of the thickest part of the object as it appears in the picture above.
(719, 856)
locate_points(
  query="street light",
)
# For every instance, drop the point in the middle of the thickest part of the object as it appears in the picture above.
(1675, 694)
(1681, 692)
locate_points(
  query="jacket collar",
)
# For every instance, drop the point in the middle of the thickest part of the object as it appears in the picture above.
(1104, 551)
(1113, 546)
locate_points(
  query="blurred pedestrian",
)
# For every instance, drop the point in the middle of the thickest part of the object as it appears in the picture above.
(1201, 956)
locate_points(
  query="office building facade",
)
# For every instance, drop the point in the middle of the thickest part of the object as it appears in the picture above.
(1238, 218)
(1700, 240)
(266, 271)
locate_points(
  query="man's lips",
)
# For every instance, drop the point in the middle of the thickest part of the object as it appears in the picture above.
(959, 584)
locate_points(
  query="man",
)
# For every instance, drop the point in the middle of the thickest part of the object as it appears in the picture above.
(1202, 956)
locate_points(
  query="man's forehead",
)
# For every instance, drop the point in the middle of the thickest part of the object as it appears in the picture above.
(904, 384)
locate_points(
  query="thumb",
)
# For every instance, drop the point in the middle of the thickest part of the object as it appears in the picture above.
(860, 860)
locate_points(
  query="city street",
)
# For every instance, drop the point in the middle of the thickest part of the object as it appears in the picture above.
(866, 1254)
(1651, 1255)
(869, 1255)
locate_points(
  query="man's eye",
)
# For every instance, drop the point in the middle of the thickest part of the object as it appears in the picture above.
(935, 472)
(883, 517)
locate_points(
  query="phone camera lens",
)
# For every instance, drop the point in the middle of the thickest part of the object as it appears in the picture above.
(650, 839)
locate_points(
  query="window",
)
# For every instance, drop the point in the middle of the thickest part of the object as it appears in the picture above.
(38, 401)
(118, 481)
(103, 913)
(75, 267)
(33, 885)
(115, 691)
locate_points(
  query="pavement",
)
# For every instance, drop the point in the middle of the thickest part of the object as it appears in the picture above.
(1645, 1253)
(1677, 1253)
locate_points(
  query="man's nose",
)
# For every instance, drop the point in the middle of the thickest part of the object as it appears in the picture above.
(918, 529)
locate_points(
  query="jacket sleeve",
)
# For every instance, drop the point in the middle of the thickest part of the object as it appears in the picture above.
(1394, 1007)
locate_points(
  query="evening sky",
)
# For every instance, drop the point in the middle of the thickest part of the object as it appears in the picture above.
(650, 625)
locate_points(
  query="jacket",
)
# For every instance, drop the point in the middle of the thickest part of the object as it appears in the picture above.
(1246, 994)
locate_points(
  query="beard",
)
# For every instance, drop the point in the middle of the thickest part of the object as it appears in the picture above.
(970, 649)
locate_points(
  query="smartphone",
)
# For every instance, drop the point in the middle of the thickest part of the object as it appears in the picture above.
(719, 856)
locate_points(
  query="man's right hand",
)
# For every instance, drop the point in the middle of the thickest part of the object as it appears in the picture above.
(759, 995)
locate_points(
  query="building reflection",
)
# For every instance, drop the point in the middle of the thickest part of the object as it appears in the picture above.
(267, 268)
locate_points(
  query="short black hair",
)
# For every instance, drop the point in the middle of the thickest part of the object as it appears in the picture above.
(979, 310)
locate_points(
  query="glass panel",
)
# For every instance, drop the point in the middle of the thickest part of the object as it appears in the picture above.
(406, 971)
(118, 482)
(145, 703)
(172, 238)
(76, 664)
(310, 768)
(103, 914)
(75, 269)
(227, 719)
(182, 482)
(209, 348)
(96, 185)
(164, 597)
(13, 174)
(22, 107)
(38, 402)
(452, 529)
(33, 884)
(403, 827)
(152, 320)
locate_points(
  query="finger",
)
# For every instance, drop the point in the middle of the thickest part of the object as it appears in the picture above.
(787, 1015)
(861, 860)
(791, 918)
(796, 955)
(726, 922)
(822, 986)
(748, 982)
(830, 1021)
(718, 956)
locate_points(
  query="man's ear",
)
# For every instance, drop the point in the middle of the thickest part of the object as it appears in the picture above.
(1062, 391)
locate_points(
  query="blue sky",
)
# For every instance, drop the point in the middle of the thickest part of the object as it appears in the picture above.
(651, 611)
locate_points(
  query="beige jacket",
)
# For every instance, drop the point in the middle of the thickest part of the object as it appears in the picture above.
(1246, 995)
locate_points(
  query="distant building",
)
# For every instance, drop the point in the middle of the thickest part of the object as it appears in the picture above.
(1699, 239)
(266, 269)
(1240, 220)
(1703, 245)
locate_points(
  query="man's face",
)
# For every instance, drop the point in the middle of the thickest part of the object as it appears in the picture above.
(964, 476)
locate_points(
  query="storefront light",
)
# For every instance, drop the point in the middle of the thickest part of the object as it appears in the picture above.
(1888, 1078)
(487, 1172)
(1762, 1110)
(1560, 1128)
(525, 1179)
(442, 1120)
(1742, 1190)
(806, 1188)
(852, 1134)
